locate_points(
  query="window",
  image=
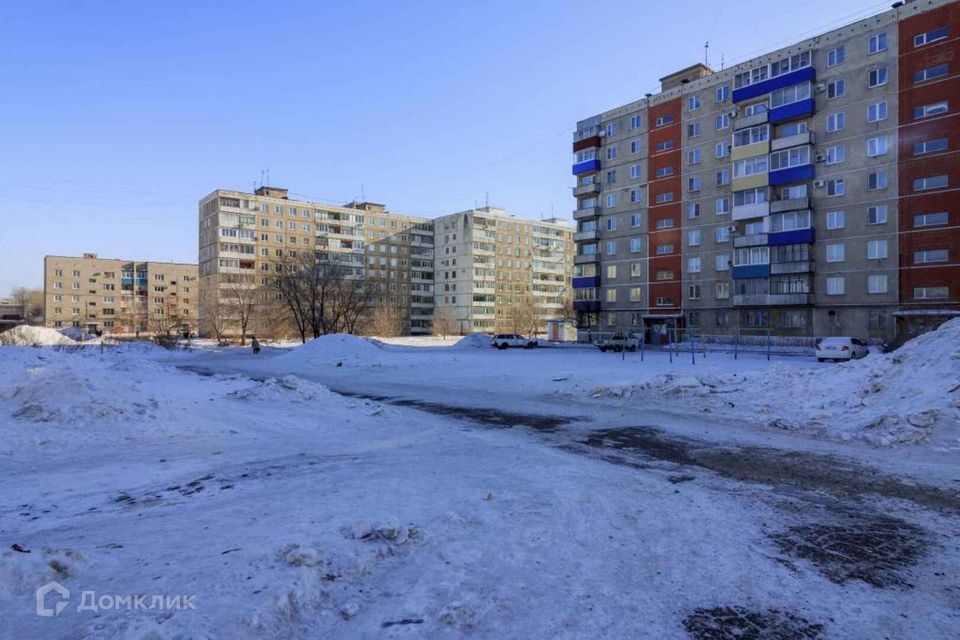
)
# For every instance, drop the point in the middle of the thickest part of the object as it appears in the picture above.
(835, 57)
(752, 76)
(635, 146)
(612, 176)
(836, 285)
(878, 77)
(693, 210)
(694, 292)
(721, 262)
(611, 295)
(930, 255)
(835, 89)
(932, 109)
(750, 166)
(693, 103)
(722, 121)
(930, 36)
(693, 156)
(836, 121)
(876, 283)
(790, 221)
(877, 179)
(635, 245)
(721, 150)
(930, 73)
(636, 294)
(836, 154)
(795, 157)
(611, 224)
(693, 129)
(836, 252)
(790, 95)
(664, 197)
(634, 195)
(836, 187)
(749, 196)
(751, 135)
(611, 272)
(722, 234)
(693, 183)
(611, 247)
(693, 265)
(634, 220)
(611, 199)
(931, 146)
(877, 146)
(611, 153)
(635, 122)
(722, 93)
(664, 249)
(634, 171)
(751, 256)
(612, 129)
(694, 237)
(792, 63)
(664, 120)
(877, 214)
(665, 223)
(931, 219)
(877, 111)
(933, 182)
(722, 206)
(666, 145)
(664, 274)
(635, 269)
(930, 293)
(836, 219)
(877, 43)
(876, 249)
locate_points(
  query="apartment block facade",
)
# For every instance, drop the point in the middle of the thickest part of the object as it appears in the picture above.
(489, 262)
(245, 237)
(809, 191)
(120, 296)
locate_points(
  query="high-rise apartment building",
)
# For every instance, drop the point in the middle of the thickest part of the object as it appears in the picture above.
(119, 296)
(489, 264)
(809, 191)
(245, 238)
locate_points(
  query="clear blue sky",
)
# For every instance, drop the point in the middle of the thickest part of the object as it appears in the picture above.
(118, 116)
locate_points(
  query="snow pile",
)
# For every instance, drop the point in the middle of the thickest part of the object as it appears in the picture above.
(902, 397)
(473, 341)
(287, 389)
(336, 349)
(76, 333)
(24, 335)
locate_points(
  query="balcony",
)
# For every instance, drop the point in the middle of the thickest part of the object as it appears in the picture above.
(791, 174)
(782, 268)
(585, 166)
(792, 204)
(586, 259)
(772, 299)
(754, 210)
(742, 122)
(806, 137)
(786, 80)
(586, 282)
(582, 236)
(586, 189)
(586, 306)
(794, 236)
(586, 212)
(792, 111)
(586, 143)
(747, 271)
(756, 240)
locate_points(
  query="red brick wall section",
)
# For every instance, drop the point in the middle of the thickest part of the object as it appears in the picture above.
(672, 289)
(911, 167)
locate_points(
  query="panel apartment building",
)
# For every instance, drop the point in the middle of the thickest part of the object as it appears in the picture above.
(245, 236)
(488, 262)
(119, 296)
(809, 191)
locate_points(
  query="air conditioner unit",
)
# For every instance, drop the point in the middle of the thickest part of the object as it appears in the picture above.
(732, 228)
(821, 88)
(820, 157)
(602, 133)
(819, 184)
(733, 114)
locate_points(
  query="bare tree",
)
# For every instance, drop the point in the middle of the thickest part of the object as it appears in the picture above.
(240, 301)
(385, 322)
(524, 315)
(214, 318)
(443, 323)
(352, 303)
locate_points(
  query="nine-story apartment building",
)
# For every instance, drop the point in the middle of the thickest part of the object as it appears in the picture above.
(810, 191)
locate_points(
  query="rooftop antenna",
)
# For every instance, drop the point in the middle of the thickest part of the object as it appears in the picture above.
(363, 194)
(261, 176)
(706, 53)
(721, 61)
(268, 177)
(486, 202)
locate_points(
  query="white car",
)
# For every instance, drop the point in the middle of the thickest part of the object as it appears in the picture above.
(619, 342)
(842, 348)
(507, 340)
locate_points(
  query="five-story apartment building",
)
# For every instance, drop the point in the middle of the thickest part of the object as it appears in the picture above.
(810, 191)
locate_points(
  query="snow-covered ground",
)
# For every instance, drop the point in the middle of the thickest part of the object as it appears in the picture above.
(622, 509)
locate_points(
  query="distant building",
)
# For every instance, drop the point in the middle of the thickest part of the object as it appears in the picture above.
(11, 313)
(119, 296)
(490, 264)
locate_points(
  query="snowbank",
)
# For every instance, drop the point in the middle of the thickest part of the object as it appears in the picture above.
(24, 335)
(76, 333)
(336, 349)
(903, 397)
(473, 341)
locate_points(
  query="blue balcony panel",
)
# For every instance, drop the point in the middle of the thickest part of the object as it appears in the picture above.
(751, 271)
(791, 174)
(792, 111)
(588, 306)
(586, 282)
(585, 166)
(786, 80)
(797, 236)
